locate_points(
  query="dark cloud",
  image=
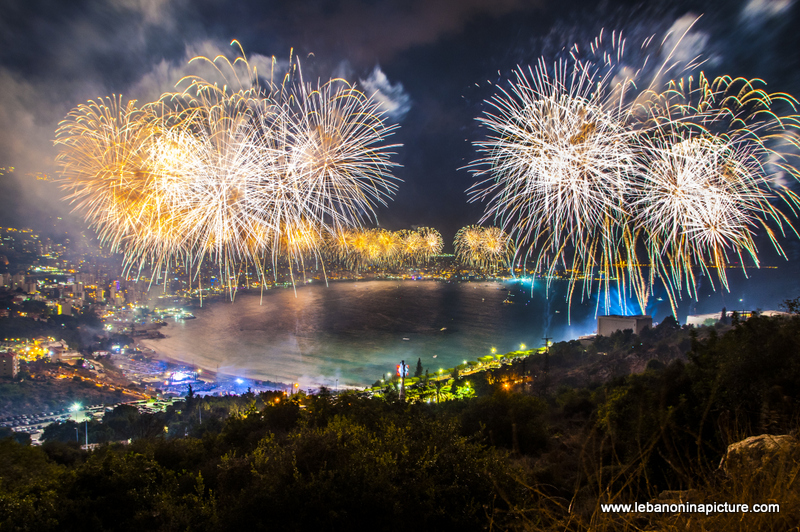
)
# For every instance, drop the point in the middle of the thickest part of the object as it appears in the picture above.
(371, 30)
(54, 55)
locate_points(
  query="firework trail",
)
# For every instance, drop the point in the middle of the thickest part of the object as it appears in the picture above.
(600, 181)
(468, 243)
(488, 248)
(710, 179)
(361, 249)
(234, 173)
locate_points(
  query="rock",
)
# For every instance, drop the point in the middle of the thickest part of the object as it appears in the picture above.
(758, 453)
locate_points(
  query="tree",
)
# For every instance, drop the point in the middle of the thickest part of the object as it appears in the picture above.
(668, 323)
(190, 397)
(418, 371)
(122, 421)
(35, 307)
(19, 437)
(792, 306)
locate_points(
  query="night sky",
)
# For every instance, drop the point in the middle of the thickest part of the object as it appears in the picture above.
(433, 62)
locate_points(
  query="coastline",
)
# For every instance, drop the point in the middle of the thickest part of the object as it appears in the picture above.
(353, 333)
(208, 375)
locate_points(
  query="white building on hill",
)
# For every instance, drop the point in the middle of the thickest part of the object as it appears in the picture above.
(606, 325)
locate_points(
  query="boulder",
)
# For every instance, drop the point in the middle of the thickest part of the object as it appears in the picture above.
(758, 453)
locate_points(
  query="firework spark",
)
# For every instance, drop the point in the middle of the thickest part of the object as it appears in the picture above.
(585, 176)
(368, 248)
(228, 175)
(557, 157)
(487, 248)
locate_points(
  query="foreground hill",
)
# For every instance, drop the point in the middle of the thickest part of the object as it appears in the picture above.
(546, 459)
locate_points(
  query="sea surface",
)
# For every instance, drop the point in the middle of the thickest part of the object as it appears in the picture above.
(353, 333)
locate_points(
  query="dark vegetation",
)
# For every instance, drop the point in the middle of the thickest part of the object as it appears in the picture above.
(527, 458)
(23, 395)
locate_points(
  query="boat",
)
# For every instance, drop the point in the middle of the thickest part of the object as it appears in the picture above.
(443, 329)
(406, 339)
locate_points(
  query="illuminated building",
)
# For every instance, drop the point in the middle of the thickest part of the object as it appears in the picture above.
(9, 364)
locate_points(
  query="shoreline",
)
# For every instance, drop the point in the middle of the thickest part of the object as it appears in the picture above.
(191, 354)
(214, 376)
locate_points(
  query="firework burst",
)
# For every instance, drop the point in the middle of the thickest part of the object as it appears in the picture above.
(709, 179)
(367, 248)
(228, 175)
(107, 169)
(557, 156)
(483, 247)
(585, 175)
(467, 245)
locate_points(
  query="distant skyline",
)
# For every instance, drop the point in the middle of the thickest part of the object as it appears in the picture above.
(432, 62)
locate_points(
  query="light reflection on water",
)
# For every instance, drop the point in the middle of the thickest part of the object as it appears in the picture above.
(356, 332)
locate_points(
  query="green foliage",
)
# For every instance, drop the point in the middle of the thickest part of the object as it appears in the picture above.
(347, 475)
(29, 396)
(337, 464)
(500, 459)
(502, 416)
